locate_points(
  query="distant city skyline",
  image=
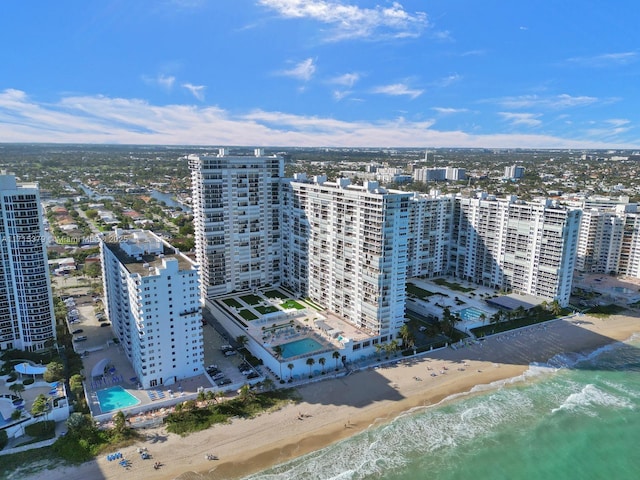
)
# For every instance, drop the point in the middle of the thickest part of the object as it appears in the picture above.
(314, 73)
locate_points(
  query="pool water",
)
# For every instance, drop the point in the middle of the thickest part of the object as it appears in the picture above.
(300, 347)
(115, 398)
(622, 290)
(472, 313)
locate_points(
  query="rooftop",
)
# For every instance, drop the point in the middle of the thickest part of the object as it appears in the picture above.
(143, 252)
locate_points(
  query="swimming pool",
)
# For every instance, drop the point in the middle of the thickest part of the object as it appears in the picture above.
(472, 313)
(115, 398)
(300, 347)
(622, 290)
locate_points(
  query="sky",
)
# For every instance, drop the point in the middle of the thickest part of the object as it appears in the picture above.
(322, 73)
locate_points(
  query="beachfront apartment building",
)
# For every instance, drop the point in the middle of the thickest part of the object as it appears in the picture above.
(27, 320)
(152, 297)
(345, 247)
(609, 239)
(350, 248)
(236, 206)
(430, 229)
(516, 246)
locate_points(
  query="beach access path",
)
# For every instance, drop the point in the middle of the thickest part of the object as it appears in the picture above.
(337, 408)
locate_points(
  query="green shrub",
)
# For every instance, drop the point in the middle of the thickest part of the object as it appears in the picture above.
(41, 430)
(12, 378)
(4, 439)
(28, 381)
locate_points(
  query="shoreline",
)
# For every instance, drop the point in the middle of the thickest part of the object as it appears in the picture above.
(334, 409)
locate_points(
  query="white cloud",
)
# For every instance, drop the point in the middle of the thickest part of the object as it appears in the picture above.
(352, 21)
(100, 119)
(448, 110)
(164, 81)
(449, 80)
(605, 60)
(348, 79)
(551, 102)
(196, 90)
(397, 89)
(528, 119)
(618, 122)
(340, 94)
(302, 71)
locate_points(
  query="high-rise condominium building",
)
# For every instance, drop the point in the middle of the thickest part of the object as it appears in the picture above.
(513, 172)
(152, 298)
(27, 320)
(236, 215)
(516, 246)
(345, 247)
(610, 238)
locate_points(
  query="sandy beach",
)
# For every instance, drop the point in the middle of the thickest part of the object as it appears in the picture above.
(334, 409)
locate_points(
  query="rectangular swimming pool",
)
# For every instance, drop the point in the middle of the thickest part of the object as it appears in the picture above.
(300, 347)
(115, 398)
(472, 313)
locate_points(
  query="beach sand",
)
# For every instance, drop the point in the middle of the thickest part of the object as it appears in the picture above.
(334, 409)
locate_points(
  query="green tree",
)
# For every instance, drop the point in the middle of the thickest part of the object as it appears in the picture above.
(278, 351)
(322, 361)
(75, 384)
(336, 356)
(290, 367)
(242, 340)
(79, 422)
(311, 362)
(120, 423)
(39, 406)
(556, 309)
(54, 372)
(17, 388)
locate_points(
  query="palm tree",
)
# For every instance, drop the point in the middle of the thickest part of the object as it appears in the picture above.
(242, 340)
(404, 333)
(482, 317)
(336, 356)
(277, 351)
(379, 347)
(393, 345)
(290, 367)
(556, 309)
(322, 361)
(310, 362)
(17, 388)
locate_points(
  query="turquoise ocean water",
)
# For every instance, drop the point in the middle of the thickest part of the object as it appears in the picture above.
(575, 417)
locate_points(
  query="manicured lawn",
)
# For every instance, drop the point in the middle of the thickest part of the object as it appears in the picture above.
(274, 294)
(453, 286)
(265, 310)
(232, 302)
(247, 315)
(291, 304)
(251, 299)
(417, 291)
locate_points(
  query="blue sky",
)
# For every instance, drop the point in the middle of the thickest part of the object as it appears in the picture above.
(344, 73)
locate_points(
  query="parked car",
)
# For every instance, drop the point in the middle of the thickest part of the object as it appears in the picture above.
(213, 371)
(224, 348)
(229, 353)
(252, 375)
(77, 331)
(224, 381)
(81, 338)
(218, 376)
(105, 324)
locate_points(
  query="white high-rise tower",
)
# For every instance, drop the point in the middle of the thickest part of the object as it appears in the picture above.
(27, 320)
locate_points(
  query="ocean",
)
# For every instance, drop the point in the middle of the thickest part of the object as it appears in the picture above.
(575, 417)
